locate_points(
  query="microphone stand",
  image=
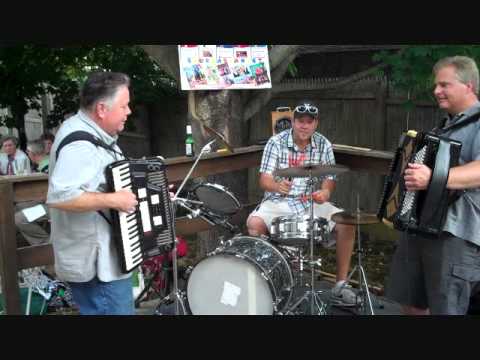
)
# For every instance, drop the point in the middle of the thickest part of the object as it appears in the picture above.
(176, 200)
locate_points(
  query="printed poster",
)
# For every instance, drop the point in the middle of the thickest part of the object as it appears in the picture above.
(215, 67)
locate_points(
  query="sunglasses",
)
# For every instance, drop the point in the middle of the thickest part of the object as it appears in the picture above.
(306, 108)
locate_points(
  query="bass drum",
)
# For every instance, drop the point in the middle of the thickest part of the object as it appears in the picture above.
(246, 276)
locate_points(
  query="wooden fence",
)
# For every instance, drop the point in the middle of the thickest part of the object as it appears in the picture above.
(366, 113)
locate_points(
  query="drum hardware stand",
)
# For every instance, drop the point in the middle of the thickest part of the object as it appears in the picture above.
(164, 270)
(362, 278)
(176, 295)
(317, 306)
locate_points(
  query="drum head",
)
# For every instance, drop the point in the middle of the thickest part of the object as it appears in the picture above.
(228, 285)
(217, 198)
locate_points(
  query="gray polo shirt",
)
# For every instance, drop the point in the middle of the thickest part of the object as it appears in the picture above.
(82, 242)
(463, 216)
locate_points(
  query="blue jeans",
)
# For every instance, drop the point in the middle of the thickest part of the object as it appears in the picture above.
(104, 298)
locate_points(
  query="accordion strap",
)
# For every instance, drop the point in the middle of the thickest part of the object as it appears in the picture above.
(86, 136)
(458, 125)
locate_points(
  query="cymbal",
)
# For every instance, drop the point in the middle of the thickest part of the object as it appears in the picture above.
(219, 137)
(349, 218)
(316, 170)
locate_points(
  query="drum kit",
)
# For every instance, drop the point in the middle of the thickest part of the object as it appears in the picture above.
(248, 275)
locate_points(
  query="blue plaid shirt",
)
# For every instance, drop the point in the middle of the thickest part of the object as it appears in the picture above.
(281, 152)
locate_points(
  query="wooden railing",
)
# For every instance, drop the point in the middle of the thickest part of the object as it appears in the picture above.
(15, 189)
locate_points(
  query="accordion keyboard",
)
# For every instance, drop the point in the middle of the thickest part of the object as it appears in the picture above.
(148, 231)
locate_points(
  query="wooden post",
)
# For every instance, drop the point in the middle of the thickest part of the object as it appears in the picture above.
(8, 251)
(381, 113)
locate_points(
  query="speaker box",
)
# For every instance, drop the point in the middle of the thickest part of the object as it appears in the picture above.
(281, 119)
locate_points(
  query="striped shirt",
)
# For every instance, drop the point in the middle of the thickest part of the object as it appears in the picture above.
(281, 152)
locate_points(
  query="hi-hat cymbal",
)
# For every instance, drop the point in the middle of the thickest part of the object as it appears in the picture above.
(315, 170)
(349, 218)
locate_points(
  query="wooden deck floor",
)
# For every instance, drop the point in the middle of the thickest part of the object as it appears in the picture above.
(380, 305)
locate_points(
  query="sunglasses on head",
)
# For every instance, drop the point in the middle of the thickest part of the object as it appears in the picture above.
(306, 108)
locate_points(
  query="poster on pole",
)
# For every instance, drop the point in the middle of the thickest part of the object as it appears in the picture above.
(216, 67)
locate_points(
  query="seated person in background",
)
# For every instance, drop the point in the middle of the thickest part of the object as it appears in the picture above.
(299, 146)
(36, 151)
(13, 161)
(48, 140)
(32, 228)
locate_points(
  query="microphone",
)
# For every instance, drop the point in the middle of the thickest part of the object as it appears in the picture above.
(188, 201)
(208, 147)
(216, 219)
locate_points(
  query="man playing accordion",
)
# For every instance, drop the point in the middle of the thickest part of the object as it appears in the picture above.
(438, 274)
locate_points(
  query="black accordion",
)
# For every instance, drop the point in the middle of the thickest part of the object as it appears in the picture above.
(420, 211)
(149, 230)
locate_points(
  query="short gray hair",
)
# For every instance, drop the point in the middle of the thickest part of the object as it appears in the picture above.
(101, 85)
(465, 68)
(11, 138)
(36, 147)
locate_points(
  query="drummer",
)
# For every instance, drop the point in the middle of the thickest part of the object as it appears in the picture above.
(302, 145)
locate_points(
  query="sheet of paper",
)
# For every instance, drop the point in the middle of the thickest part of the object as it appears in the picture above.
(33, 213)
(230, 294)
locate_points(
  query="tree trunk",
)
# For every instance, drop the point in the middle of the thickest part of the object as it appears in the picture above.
(222, 111)
(226, 111)
(19, 111)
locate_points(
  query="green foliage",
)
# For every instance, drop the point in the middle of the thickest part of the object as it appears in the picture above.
(292, 69)
(29, 71)
(410, 69)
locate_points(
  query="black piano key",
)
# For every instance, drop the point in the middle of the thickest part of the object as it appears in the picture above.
(136, 247)
(137, 257)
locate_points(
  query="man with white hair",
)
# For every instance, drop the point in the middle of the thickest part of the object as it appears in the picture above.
(82, 240)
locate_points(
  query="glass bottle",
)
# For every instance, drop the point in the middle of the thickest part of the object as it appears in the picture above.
(189, 142)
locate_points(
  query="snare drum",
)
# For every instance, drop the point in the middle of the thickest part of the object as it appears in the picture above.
(217, 198)
(246, 276)
(294, 230)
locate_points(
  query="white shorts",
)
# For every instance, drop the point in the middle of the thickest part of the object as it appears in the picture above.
(269, 210)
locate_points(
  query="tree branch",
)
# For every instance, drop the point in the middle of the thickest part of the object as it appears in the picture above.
(301, 85)
(278, 53)
(166, 56)
(260, 100)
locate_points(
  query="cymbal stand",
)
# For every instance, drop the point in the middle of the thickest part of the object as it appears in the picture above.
(177, 297)
(317, 306)
(362, 278)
